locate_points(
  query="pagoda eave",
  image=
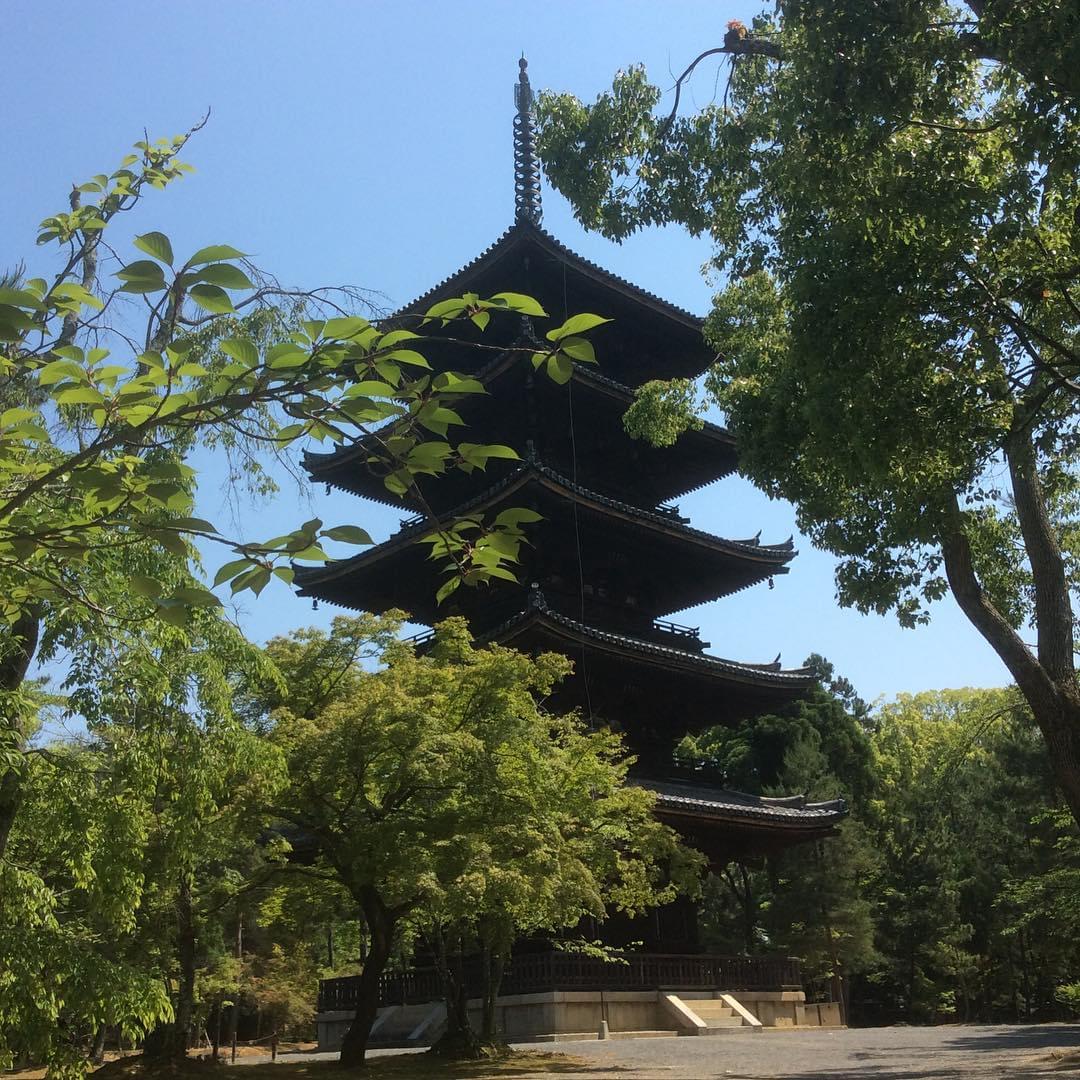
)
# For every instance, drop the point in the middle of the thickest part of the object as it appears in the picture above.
(538, 616)
(698, 458)
(686, 567)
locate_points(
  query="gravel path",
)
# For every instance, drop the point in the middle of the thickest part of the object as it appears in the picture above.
(961, 1052)
(896, 1053)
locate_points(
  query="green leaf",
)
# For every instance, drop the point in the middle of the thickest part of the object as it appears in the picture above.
(576, 324)
(226, 275)
(241, 350)
(10, 417)
(157, 245)
(496, 450)
(80, 395)
(214, 253)
(370, 388)
(348, 534)
(196, 597)
(230, 570)
(408, 356)
(396, 336)
(211, 298)
(559, 369)
(145, 586)
(579, 349)
(171, 542)
(519, 302)
(286, 355)
(141, 276)
(445, 310)
(450, 382)
(518, 515)
(21, 298)
(173, 613)
(345, 328)
(311, 554)
(446, 589)
(192, 524)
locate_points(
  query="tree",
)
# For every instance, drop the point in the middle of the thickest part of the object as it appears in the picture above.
(964, 926)
(132, 836)
(108, 402)
(810, 901)
(892, 193)
(437, 790)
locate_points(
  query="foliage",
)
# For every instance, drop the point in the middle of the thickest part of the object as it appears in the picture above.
(436, 789)
(127, 842)
(812, 901)
(892, 194)
(950, 890)
(105, 395)
(112, 472)
(971, 838)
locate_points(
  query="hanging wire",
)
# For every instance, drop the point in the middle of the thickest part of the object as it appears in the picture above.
(577, 524)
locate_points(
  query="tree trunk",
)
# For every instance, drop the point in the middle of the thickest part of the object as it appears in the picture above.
(185, 1005)
(459, 1040)
(382, 926)
(19, 646)
(234, 1012)
(97, 1054)
(494, 966)
(215, 1026)
(170, 1041)
(1046, 677)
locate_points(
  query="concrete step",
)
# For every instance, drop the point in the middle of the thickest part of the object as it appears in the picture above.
(709, 1007)
(722, 1021)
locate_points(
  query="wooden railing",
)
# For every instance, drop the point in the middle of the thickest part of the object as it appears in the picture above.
(533, 973)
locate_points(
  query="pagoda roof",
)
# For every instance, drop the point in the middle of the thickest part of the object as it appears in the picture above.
(331, 466)
(722, 804)
(537, 612)
(525, 232)
(771, 558)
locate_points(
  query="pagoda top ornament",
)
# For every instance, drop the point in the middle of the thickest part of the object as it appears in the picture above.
(526, 164)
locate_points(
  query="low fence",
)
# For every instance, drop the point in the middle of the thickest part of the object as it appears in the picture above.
(532, 973)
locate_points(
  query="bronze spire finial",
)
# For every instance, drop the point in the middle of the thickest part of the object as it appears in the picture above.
(526, 166)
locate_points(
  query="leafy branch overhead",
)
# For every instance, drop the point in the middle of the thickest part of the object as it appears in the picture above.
(892, 196)
(110, 391)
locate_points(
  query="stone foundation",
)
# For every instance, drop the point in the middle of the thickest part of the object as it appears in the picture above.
(559, 1014)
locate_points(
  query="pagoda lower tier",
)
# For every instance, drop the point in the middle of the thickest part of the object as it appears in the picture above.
(653, 691)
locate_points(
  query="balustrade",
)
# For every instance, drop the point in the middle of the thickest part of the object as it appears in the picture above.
(532, 973)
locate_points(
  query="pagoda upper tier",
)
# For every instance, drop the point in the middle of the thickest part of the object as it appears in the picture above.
(532, 414)
(648, 338)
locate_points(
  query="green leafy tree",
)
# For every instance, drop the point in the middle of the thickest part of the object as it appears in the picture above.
(892, 194)
(111, 401)
(128, 839)
(436, 789)
(965, 814)
(811, 901)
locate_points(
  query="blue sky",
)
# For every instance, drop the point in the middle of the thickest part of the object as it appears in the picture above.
(370, 144)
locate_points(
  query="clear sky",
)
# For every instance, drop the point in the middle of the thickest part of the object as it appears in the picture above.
(370, 144)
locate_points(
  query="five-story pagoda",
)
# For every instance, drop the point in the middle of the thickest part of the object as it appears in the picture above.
(612, 557)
